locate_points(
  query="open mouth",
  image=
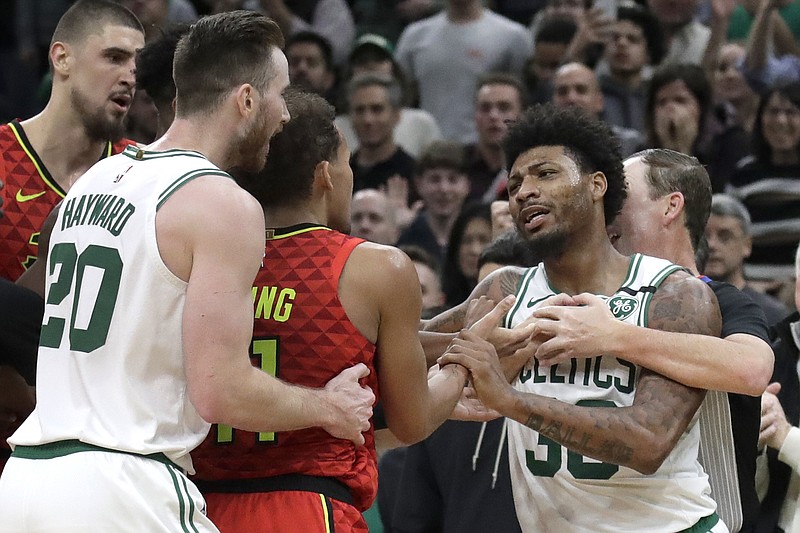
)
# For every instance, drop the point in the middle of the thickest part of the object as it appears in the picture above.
(122, 101)
(533, 216)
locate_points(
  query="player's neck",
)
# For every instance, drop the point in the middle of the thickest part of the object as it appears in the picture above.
(292, 215)
(60, 140)
(676, 248)
(591, 265)
(192, 134)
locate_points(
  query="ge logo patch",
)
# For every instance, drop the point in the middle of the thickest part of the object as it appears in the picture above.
(622, 306)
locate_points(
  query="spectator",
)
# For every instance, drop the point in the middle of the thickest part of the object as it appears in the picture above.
(331, 19)
(374, 103)
(733, 97)
(729, 244)
(679, 117)
(767, 183)
(417, 128)
(311, 64)
(576, 85)
(686, 38)
(780, 417)
(445, 55)
(443, 187)
(499, 100)
(635, 45)
(429, 273)
(472, 231)
(372, 217)
(760, 67)
(549, 51)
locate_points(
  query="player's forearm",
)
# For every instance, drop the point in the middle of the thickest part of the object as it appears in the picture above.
(255, 401)
(623, 436)
(434, 345)
(740, 363)
(445, 388)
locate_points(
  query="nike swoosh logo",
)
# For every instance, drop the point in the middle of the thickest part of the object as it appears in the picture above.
(27, 197)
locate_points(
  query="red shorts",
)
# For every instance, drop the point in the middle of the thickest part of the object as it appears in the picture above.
(282, 512)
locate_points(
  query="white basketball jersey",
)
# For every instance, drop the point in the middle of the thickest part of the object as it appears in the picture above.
(558, 490)
(110, 370)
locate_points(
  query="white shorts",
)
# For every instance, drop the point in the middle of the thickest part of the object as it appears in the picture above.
(96, 491)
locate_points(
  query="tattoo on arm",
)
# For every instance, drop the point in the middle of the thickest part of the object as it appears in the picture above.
(613, 450)
(685, 304)
(496, 286)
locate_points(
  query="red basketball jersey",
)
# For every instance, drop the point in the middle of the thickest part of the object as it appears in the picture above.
(30, 193)
(303, 335)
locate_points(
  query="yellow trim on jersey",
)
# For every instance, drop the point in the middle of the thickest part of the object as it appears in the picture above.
(274, 237)
(325, 516)
(35, 163)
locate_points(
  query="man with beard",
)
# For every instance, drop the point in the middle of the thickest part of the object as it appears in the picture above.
(148, 315)
(599, 444)
(92, 58)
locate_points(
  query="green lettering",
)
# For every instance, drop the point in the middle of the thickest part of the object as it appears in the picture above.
(627, 388)
(602, 383)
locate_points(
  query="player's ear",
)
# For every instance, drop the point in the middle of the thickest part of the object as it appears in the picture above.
(599, 185)
(322, 176)
(673, 207)
(59, 57)
(244, 99)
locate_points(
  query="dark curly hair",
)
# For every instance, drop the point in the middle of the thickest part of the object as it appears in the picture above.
(651, 29)
(588, 141)
(309, 138)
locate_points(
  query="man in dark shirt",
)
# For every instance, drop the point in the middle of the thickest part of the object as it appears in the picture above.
(498, 101)
(375, 101)
(729, 244)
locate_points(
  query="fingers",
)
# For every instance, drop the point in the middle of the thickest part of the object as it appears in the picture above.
(585, 298)
(359, 371)
(773, 388)
(492, 319)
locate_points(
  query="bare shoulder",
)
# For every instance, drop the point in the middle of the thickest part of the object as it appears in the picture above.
(209, 216)
(500, 283)
(384, 268)
(684, 303)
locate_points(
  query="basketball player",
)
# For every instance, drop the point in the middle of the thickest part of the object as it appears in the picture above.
(603, 445)
(148, 313)
(92, 61)
(665, 214)
(324, 301)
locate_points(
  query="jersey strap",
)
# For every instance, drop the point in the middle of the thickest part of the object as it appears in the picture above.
(341, 258)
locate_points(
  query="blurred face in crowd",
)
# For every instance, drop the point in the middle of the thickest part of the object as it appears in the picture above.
(728, 247)
(674, 99)
(370, 217)
(443, 190)
(780, 122)
(626, 50)
(728, 83)
(99, 73)
(373, 115)
(432, 295)
(307, 67)
(673, 13)
(576, 85)
(546, 59)
(495, 106)
(477, 234)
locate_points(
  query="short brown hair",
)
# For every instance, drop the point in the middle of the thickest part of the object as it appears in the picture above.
(221, 52)
(441, 154)
(669, 171)
(86, 17)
